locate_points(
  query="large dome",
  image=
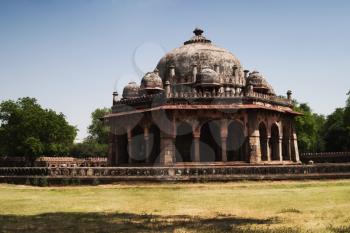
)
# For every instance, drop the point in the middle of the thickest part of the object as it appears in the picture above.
(201, 52)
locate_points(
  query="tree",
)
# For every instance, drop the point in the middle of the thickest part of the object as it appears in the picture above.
(96, 143)
(335, 132)
(97, 130)
(26, 129)
(309, 128)
(89, 148)
(337, 129)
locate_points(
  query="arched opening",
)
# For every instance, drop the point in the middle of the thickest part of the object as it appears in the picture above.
(183, 142)
(274, 142)
(236, 142)
(154, 142)
(263, 141)
(122, 149)
(209, 142)
(138, 152)
(286, 144)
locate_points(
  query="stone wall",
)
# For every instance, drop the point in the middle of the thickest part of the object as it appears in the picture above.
(326, 157)
(115, 174)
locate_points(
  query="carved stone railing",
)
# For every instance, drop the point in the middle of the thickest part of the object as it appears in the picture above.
(325, 157)
(276, 99)
(194, 97)
(185, 173)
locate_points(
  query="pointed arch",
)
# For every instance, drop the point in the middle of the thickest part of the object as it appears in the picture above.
(138, 153)
(209, 142)
(122, 148)
(263, 141)
(286, 151)
(274, 142)
(183, 142)
(155, 144)
(236, 142)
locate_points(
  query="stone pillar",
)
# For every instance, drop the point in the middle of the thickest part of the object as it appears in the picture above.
(167, 89)
(147, 145)
(294, 147)
(223, 137)
(171, 74)
(254, 138)
(254, 148)
(196, 141)
(194, 73)
(167, 145)
(111, 149)
(167, 140)
(129, 145)
(280, 149)
(268, 149)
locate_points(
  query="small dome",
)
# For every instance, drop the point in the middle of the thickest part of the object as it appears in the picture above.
(151, 81)
(259, 83)
(131, 90)
(208, 77)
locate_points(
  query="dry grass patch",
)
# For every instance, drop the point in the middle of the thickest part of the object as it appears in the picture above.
(303, 206)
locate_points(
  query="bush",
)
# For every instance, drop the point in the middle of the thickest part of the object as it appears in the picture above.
(65, 182)
(75, 181)
(35, 181)
(43, 182)
(95, 181)
(27, 182)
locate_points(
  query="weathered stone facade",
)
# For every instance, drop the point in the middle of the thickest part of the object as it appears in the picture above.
(166, 173)
(200, 107)
(45, 161)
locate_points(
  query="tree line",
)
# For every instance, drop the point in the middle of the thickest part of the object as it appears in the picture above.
(319, 133)
(28, 129)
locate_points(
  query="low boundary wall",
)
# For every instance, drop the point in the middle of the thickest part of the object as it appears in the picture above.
(160, 174)
(326, 157)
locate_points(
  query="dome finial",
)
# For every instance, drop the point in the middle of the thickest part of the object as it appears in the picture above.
(198, 37)
(197, 31)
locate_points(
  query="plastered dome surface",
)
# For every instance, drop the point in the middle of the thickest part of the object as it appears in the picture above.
(201, 52)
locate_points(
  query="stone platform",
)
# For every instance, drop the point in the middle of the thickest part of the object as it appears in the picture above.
(191, 174)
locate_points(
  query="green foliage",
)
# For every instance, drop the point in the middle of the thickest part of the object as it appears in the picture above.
(309, 128)
(27, 182)
(43, 182)
(95, 181)
(27, 129)
(35, 182)
(75, 181)
(96, 144)
(317, 133)
(89, 148)
(64, 182)
(337, 129)
(98, 132)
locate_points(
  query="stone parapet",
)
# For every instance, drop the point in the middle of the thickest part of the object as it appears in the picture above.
(279, 172)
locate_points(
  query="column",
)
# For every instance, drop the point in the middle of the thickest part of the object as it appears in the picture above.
(196, 141)
(254, 138)
(268, 148)
(130, 146)
(111, 148)
(223, 137)
(280, 149)
(147, 145)
(167, 146)
(289, 149)
(294, 147)
(254, 147)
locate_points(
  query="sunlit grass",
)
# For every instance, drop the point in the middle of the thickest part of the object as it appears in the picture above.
(313, 206)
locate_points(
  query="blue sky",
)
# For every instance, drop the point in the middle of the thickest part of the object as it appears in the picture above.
(71, 55)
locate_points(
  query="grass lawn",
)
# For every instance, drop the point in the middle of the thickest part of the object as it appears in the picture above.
(300, 206)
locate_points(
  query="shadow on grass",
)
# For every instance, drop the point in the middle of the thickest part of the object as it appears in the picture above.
(126, 222)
